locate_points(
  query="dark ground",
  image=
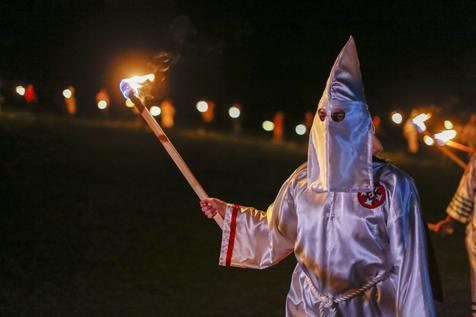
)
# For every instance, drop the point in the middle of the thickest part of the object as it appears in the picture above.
(97, 221)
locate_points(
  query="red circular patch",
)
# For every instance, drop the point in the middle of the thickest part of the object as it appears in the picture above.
(373, 199)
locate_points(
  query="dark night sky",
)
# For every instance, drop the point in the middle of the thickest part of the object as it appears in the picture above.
(269, 57)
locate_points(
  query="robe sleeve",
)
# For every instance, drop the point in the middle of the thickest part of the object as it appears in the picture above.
(256, 239)
(462, 205)
(409, 251)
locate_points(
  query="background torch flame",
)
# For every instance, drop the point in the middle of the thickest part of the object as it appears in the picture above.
(419, 121)
(445, 136)
(133, 84)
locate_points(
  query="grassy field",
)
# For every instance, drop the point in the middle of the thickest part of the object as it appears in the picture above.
(97, 221)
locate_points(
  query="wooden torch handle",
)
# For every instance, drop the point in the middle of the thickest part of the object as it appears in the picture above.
(174, 154)
(452, 156)
(448, 153)
(461, 147)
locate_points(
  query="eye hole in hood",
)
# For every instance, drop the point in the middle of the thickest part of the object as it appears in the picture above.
(322, 114)
(338, 115)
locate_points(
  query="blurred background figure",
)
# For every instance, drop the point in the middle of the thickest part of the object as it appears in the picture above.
(278, 121)
(209, 115)
(167, 113)
(30, 94)
(410, 133)
(103, 101)
(377, 121)
(70, 100)
(468, 135)
(308, 118)
(207, 112)
(235, 114)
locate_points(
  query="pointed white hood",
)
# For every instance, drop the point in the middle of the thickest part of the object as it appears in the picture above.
(340, 141)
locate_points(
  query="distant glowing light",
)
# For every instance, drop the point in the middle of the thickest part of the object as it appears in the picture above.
(397, 118)
(301, 129)
(234, 112)
(155, 111)
(102, 104)
(268, 125)
(67, 93)
(448, 125)
(129, 103)
(428, 140)
(202, 106)
(20, 90)
(133, 84)
(419, 121)
(445, 136)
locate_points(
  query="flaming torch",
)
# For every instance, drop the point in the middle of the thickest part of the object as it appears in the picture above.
(444, 138)
(130, 89)
(419, 121)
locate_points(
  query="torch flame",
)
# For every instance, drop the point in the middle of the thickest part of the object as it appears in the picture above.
(448, 125)
(419, 121)
(133, 84)
(428, 140)
(397, 117)
(445, 136)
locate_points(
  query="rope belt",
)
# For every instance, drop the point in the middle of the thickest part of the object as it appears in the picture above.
(329, 302)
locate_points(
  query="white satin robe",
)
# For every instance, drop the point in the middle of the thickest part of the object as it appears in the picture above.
(339, 243)
(463, 209)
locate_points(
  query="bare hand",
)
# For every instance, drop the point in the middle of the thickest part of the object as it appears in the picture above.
(211, 206)
(444, 227)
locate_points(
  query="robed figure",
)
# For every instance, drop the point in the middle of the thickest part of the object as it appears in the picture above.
(462, 209)
(352, 221)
